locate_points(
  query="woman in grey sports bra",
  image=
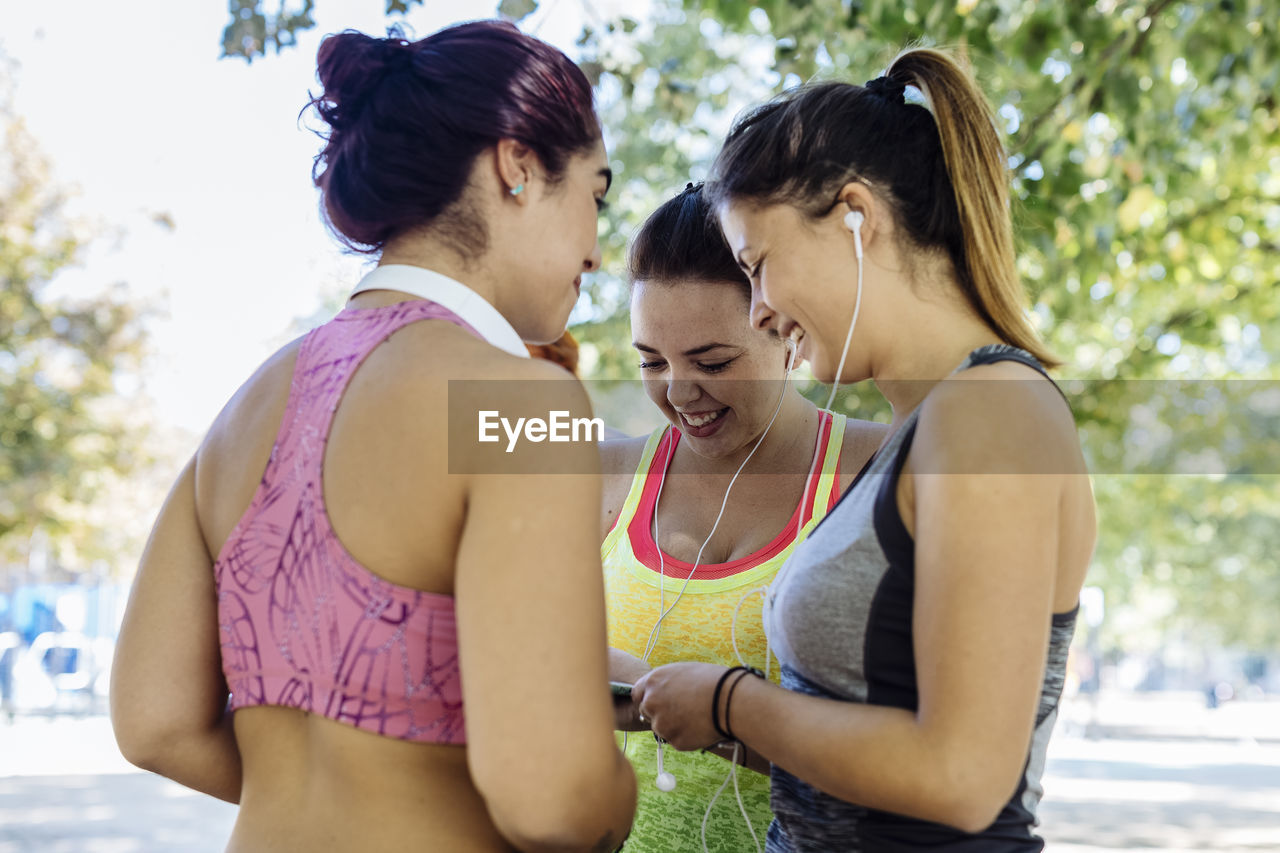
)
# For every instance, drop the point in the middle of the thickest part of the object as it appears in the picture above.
(923, 626)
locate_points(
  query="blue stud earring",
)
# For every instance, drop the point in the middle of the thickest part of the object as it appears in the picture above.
(517, 189)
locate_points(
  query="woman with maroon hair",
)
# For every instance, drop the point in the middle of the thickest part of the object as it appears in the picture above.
(333, 624)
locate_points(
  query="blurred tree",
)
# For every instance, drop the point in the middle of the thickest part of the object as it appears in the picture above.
(63, 431)
(1145, 149)
(1145, 152)
(253, 28)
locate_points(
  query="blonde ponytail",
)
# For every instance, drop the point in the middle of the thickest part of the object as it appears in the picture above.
(978, 167)
(941, 167)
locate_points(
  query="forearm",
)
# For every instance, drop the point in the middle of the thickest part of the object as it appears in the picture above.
(623, 810)
(880, 757)
(582, 820)
(625, 667)
(207, 761)
(747, 757)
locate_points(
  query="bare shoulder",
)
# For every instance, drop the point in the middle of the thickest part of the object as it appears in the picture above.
(266, 390)
(436, 351)
(861, 440)
(234, 453)
(1004, 417)
(254, 411)
(450, 350)
(416, 383)
(619, 459)
(620, 456)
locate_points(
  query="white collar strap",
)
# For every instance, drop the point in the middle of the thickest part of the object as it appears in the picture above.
(450, 293)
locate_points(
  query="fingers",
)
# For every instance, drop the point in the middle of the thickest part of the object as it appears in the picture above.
(627, 716)
(639, 688)
(639, 694)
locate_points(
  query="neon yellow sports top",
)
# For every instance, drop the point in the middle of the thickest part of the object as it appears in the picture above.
(698, 629)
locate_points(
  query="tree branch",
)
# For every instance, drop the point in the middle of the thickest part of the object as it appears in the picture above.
(1085, 79)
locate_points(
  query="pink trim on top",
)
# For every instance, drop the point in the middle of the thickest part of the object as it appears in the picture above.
(640, 530)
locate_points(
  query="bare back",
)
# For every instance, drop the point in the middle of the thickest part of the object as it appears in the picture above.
(396, 509)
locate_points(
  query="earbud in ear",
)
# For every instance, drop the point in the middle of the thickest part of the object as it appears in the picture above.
(792, 343)
(853, 221)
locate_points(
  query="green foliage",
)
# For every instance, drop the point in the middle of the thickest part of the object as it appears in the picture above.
(63, 430)
(1145, 155)
(252, 29)
(516, 10)
(668, 87)
(1145, 149)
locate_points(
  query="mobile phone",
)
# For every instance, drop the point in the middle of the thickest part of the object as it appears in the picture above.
(620, 688)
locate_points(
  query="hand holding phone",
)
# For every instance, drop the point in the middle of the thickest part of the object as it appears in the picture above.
(626, 714)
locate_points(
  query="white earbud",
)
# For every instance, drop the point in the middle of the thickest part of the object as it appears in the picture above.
(792, 346)
(853, 221)
(666, 781)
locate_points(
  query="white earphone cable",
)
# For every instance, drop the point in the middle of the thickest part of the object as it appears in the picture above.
(664, 611)
(763, 591)
(853, 220)
(733, 776)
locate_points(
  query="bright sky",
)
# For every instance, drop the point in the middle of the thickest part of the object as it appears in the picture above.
(139, 119)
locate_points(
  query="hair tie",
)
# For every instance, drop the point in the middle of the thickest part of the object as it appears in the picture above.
(688, 186)
(888, 88)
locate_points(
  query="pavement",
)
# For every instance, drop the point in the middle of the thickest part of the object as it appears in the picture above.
(1171, 716)
(65, 788)
(1172, 795)
(1162, 771)
(1151, 772)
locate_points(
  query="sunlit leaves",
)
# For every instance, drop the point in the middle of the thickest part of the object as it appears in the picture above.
(1145, 149)
(1144, 142)
(514, 10)
(256, 26)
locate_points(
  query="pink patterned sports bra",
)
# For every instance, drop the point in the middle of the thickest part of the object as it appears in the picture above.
(301, 623)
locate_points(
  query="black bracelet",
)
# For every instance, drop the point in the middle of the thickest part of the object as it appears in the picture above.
(715, 702)
(728, 701)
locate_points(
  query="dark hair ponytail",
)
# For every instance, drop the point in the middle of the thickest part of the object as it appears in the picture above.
(681, 242)
(940, 167)
(408, 119)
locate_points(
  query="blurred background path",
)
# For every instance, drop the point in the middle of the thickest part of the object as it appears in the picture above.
(1154, 772)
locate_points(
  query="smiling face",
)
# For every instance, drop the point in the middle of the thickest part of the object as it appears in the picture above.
(555, 244)
(804, 276)
(713, 376)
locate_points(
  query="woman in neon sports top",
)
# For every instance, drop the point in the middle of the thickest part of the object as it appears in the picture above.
(700, 359)
(320, 558)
